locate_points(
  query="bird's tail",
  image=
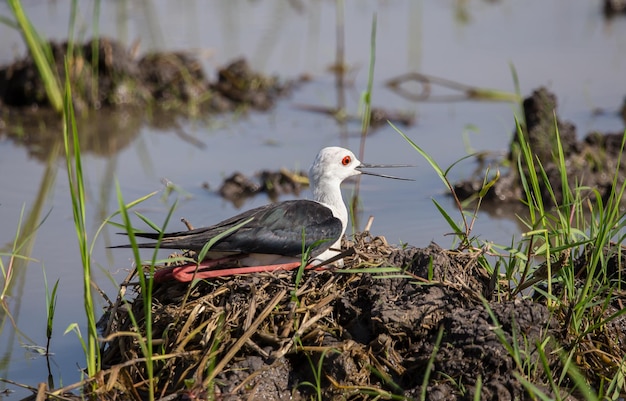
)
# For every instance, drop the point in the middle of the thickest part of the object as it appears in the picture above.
(140, 245)
(155, 236)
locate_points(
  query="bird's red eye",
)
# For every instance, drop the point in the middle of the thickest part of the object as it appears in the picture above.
(346, 160)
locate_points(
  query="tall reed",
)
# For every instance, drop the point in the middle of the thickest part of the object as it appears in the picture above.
(77, 194)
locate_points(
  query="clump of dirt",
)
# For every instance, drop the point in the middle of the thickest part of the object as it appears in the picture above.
(238, 187)
(591, 162)
(416, 317)
(105, 73)
(612, 8)
(127, 91)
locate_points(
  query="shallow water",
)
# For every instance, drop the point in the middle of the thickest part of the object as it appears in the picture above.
(565, 45)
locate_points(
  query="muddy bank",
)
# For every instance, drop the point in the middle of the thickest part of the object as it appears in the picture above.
(106, 73)
(437, 324)
(591, 162)
(115, 91)
(612, 8)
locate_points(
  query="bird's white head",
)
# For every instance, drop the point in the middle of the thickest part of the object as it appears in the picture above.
(333, 164)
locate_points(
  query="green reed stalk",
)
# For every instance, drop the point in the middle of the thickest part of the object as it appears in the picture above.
(95, 49)
(51, 305)
(8, 270)
(72, 27)
(146, 285)
(366, 103)
(366, 97)
(77, 193)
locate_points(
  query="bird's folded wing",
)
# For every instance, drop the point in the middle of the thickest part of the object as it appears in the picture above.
(278, 228)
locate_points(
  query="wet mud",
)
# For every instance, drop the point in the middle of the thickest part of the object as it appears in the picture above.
(105, 73)
(238, 187)
(612, 8)
(115, 92)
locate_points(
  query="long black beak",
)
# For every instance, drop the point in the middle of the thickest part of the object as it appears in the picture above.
(363, 165)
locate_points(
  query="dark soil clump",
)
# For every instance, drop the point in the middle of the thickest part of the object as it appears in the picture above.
(591, 162)
(115, 92)
(105, 73)
(238, 187)
(612, 8)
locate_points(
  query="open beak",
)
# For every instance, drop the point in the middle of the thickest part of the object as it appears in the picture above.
(363, 165)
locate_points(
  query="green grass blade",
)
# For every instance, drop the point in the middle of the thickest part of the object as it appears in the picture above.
(149, 222)
(430, 160)
(431, 363)
(218, 237)
(77, 194)
(146, 291)
(455, 227)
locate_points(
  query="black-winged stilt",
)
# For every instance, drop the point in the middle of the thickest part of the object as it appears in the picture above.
(273, 236)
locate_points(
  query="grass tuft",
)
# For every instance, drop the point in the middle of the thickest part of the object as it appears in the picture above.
(577, 235)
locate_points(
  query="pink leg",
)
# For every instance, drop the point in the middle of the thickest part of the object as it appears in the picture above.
(189, 273)
(168, 273)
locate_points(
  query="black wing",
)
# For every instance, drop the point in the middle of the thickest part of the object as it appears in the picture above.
(274, 229)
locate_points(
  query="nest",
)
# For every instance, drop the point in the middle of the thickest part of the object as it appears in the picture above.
(374, 329)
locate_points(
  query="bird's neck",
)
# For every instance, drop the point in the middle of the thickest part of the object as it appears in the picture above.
(328, 193)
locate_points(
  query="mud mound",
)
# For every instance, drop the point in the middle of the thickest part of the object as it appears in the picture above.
(238, 187)
(591, 162)
(159, 89)
(370, 333)
(105, 73)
